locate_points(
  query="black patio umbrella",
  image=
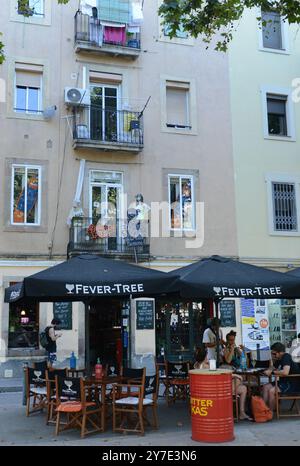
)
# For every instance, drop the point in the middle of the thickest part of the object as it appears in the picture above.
(86, 277)
(295, 272)
(219, 277)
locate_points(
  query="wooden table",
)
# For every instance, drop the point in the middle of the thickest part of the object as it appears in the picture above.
(102, 383)
(247, 374)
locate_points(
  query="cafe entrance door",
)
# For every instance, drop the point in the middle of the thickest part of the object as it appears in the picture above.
(105, 332)
(179, 328)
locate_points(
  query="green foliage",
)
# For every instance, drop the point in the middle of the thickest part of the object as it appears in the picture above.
(23, 6)
(218, 18)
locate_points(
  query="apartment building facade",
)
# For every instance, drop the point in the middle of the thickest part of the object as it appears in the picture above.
(264, 87)
(101, 106)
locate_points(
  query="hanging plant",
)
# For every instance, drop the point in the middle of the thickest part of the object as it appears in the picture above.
(91, 231)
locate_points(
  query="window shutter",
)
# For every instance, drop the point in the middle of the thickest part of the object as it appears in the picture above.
(28, 75)
(177, 106)
(114, 10)
(277, 104)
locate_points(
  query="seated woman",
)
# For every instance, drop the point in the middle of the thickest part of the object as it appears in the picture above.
(237, 381)
(232, 353)
(201, 359)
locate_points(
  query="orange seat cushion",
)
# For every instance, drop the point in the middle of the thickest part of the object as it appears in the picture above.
(72, 406)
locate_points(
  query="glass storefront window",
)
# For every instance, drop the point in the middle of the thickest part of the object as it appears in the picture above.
(23, 326)
(283, 325)
(179, 329)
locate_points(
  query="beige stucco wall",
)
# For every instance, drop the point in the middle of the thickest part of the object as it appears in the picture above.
(206, 152)
(207, 149)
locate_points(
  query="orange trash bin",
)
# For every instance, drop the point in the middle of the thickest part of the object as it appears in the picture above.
(211, 405)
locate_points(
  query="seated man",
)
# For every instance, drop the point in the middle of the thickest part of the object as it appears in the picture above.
(283, 365)
(232, 353)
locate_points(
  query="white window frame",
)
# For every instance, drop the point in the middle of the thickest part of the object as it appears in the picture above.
(31, 5)
(192, 105)
(106, 184)
(40, 97)
(284, 35)
(188, 126)
(27, 167)
(290, 115)
(191, 178)
(282, 178)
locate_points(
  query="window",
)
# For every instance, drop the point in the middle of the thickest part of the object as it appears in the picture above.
(278, 113)
(177, 103)
(181, 201)
(26, 195)
(23, 326)
(284, 206)
(28, 91)
(277, 117)
(32, 8)
(180, 33)
(272, 30)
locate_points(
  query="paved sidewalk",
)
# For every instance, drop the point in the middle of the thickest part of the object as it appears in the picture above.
(175, 430)
(11, 385)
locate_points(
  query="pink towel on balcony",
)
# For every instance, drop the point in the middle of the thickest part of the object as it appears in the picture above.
(115, 35)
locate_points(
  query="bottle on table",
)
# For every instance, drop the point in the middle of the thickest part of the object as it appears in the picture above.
(73, 361)
(98, 369)
(243, 361)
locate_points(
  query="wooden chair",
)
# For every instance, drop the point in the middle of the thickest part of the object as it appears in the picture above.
(161, 367)
(177, 381)
(111, 370)
(40, 365)
(235, 399)
(80, 413)
(139, 398)
(293, 397)
(36, 390)
(52, 401)
(76, 372)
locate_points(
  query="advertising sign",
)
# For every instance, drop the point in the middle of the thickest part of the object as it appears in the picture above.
(255, 324)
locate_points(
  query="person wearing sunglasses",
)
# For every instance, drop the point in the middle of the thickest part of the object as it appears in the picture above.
(283, 365)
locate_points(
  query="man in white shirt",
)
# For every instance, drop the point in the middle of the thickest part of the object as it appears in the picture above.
(210, 339)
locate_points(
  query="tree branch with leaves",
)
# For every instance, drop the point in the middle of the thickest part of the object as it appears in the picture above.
(217, 18)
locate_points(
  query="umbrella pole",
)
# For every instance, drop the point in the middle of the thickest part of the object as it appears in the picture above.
(218, 330)
(87, 336)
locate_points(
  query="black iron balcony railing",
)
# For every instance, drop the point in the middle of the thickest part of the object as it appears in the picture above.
(93, 123)
(110, 239)
(90, 31)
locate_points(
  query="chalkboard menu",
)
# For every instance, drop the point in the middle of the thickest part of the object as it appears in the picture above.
(144, 315)
(227, 311)
(63, 312)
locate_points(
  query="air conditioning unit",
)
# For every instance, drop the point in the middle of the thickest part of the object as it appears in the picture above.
(77, 97)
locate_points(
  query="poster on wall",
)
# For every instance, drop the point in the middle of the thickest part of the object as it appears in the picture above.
(255, 324)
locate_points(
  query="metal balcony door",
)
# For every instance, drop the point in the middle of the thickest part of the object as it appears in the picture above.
(104, 122)
(105, 210)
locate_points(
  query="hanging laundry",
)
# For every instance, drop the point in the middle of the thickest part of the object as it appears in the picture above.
(96, 31)
(86, 7)
(114, 35)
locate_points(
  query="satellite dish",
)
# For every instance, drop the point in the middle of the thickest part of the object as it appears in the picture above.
(74, 95)
(49, 112)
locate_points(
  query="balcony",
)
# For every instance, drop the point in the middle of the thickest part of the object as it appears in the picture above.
(107, 129)
(92, 36)
(88, 236)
